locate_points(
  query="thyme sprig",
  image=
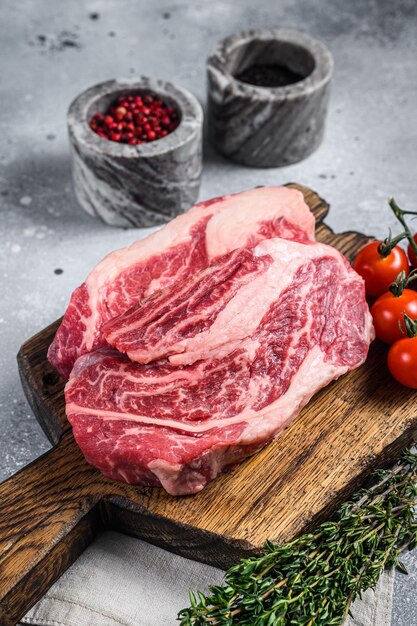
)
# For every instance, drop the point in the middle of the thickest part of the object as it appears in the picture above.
(312, 580)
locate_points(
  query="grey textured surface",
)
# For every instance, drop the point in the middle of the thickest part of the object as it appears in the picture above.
(53, 50)
(136, 186)
(264, 126)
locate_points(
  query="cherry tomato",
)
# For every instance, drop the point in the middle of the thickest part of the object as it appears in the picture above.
(411, 253)
(402, 361)
(388, 310)
(379, 272)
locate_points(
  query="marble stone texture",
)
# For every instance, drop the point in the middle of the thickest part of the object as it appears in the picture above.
(268, 126)
(131, 186)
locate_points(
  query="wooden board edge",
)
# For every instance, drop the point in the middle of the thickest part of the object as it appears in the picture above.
(47, 420)
(39, 578)
(125, 516)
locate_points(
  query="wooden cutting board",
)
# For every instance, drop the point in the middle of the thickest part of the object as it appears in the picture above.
(52, 509)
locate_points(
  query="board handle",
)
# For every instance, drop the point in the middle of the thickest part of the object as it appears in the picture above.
(45, 524)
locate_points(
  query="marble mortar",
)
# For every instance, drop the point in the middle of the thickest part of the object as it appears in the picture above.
(268, 126)
(136, 186)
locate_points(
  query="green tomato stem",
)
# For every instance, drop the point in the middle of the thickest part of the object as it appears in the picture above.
(410, 326)
(399, 214)
(402, 282)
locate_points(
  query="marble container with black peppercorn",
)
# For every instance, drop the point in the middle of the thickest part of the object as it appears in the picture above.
(268, 91)
(136, 185)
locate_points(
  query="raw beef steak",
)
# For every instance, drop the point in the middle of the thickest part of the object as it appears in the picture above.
(185, 245)
(253, 337)
(213, 312)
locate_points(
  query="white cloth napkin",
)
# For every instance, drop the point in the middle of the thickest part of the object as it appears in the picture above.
(120, 581)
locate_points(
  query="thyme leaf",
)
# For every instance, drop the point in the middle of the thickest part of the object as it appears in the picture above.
(312, 580)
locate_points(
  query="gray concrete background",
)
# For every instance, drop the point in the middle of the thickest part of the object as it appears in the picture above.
(50, 51)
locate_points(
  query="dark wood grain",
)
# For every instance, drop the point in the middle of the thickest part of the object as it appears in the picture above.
(54, 507)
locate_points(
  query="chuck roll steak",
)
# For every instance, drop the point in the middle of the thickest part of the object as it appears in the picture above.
(182, 247)
(229, 356)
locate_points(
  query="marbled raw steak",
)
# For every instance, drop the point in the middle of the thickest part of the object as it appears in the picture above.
(181, 248)
(249, 340)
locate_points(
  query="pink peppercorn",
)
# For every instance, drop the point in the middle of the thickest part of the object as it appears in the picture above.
(135, 120)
